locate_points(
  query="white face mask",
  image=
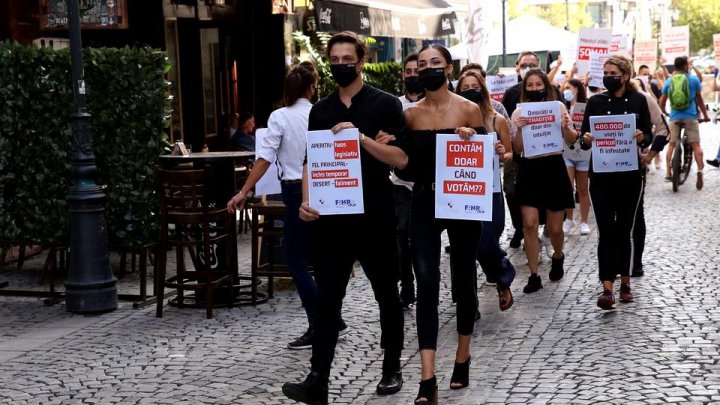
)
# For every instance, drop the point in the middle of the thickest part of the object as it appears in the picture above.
(568, 94)
(523, 72)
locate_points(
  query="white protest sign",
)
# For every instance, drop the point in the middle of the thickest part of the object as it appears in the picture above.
(578, 112)
(335, 172)
(619, 46)
(645, 54)
(577, 153)
(597, 61)
(591, 40)
(464, 177)
(716, 44)
(543, 134)
(676, 43)
(268, 183)
(614, 148)
(497, 85)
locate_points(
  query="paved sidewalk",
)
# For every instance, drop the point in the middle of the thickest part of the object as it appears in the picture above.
(554, 346)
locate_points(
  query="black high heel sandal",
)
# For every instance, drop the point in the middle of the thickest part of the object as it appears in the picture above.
(460, 375)
(428, 391)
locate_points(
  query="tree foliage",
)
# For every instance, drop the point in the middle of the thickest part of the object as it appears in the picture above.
(555, 14)
(703, 17)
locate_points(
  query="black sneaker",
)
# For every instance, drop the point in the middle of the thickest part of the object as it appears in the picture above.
(517, 237)
(390, 383)
(447, 249)
(534, 284)
(303, 342)
(556, 268)
(407, 296)
(713, 162)
(637, 272)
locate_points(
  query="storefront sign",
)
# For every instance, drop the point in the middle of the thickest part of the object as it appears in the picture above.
(543, 134)
(335, 172)
(464, 177)
(614, 148)
(94, 14)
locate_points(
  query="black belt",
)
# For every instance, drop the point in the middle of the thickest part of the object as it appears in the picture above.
(288, 182)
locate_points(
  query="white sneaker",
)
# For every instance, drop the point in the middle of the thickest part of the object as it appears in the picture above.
(584, 229)
(568, 225)
(547, 244)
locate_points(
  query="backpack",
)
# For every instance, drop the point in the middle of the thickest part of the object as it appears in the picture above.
(679, 92)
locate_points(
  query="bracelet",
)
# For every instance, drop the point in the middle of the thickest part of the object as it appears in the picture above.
(362, 137)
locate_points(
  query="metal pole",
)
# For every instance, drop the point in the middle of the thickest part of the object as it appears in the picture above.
(567, 16)
(90, 286)
(504, 55)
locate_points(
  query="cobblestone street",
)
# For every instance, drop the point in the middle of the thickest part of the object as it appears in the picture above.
(554, 346)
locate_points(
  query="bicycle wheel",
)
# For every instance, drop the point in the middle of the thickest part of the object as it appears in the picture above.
(687, 161)
(676, 166)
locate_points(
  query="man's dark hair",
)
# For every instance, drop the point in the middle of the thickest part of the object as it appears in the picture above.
(413, 57)
(517, 62)
(298, 81)
(244, 116)
(681, 63)
(348, 37)
(643, 67)
(473, 66)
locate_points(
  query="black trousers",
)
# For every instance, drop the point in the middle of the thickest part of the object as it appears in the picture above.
(403, 201)
(615, 201)
(464, 237)
(339, 241)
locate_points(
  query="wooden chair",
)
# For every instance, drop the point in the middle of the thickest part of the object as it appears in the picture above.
(185, 203)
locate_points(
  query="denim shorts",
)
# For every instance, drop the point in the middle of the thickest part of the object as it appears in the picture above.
(579, 165)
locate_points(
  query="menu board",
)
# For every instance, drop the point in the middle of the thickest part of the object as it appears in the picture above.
(94, 14)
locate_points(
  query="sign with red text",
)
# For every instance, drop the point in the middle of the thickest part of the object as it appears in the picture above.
(591, 40)
(645, 54)
(464, 177)
(614, 148)
(543, 134)
(619, 46)
(716, 45)
(335, 172)
(498, 85)
(576, 153)
(676, 43)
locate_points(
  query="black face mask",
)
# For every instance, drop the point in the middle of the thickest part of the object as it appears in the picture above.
(413, 85)
(432, 78)
(474, 95)
(344, 73)
(612, 83)
(535, 95)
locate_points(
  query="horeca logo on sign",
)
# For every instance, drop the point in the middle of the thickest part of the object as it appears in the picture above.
(325, 16)
(474, 208)
(345, 203)
(364, 21)
(446, 24)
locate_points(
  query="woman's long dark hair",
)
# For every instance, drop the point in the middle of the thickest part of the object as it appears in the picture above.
(550, 93)
(298, 81)
(581, 96)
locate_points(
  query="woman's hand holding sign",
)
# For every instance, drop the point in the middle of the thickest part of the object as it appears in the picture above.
(465, 133)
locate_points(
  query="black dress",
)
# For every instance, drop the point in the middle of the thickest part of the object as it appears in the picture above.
(543, 183)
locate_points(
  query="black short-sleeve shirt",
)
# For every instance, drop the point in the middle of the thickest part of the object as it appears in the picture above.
(371, 111)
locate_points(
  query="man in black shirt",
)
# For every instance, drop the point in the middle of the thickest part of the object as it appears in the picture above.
(369, 238)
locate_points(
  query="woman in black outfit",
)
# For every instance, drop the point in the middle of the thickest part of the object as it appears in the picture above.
(616, 195)
(439, 109)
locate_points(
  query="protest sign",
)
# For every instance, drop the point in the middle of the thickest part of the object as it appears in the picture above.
(716, 44)
(645, 54)
(676, 43)
(614, 148)
(576, 153)
(268, 183)
(578, 112)
(335, 172)
(597, 61)
(543, 134)
(497, 85)
(619, 46)
(464, 177)
(591, 40)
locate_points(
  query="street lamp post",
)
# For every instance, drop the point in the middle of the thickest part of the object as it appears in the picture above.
(90, 285)
(504, 55)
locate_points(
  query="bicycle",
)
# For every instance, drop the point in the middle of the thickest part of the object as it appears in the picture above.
(682, 155)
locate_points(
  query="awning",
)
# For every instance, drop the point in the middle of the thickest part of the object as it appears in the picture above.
(400, 18)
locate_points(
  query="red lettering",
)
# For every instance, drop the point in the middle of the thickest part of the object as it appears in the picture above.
(329, 174)
(465, 154)
(605, 143)
(542, 119)
(346, 183)
(585, 51)
(464, 187)
(346, 150)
